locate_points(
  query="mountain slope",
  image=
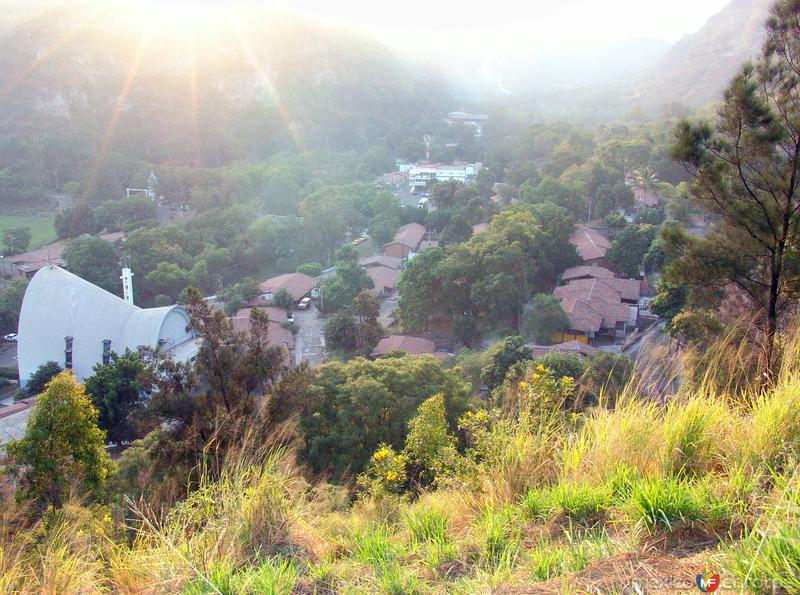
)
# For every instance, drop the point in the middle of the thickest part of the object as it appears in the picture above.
(696, 69)
(78, 81)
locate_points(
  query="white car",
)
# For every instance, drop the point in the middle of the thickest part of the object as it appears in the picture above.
(11, 337)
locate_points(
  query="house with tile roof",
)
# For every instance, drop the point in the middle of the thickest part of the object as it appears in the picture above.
(586, 272)
(296, 285)
(599, 306)
(406, 240)
(384, 280)
(411, 345)
(590, 244)
(277, 334)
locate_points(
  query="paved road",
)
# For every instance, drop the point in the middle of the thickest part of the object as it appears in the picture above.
(388, 306)
(309, 343)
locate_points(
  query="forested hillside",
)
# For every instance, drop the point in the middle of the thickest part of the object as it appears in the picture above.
(88, 92)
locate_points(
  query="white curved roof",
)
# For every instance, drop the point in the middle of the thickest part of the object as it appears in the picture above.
(58, 304)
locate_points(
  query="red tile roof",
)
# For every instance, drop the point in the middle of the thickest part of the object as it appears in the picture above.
(411, 345)
(410, 235)
(381, 260)
(586, 272)
(592, 304)
(277, 336)
(590, 243)
(297, 284)
(383, 278)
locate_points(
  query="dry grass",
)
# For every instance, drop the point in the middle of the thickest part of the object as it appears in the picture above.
(582, 501)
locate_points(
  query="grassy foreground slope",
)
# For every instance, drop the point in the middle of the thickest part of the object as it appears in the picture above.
(535, 499)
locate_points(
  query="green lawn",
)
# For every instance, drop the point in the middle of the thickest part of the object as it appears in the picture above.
(42, 230)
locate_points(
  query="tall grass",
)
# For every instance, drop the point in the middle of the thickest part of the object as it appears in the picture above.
(550, 496)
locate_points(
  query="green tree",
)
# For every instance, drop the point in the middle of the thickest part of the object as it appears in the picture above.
(116, 390)
(347, 282)
(627, 251)
(696, 327)
(16, 240)
(95, 260)
(38, 381)
(312, 269)
(62, 447)
(670, 299)
(351, 408)
(169, 279)
(367, 307)
(283, 299)
(341, 333)
(545, 318)
(421, 291)
(562, 364)
(501, 357)
(745, 170)
(456, 231)
(11, 303)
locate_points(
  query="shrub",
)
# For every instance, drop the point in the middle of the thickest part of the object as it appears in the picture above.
(385, 474)
(428, 444)
(39, 379)
(312, 269)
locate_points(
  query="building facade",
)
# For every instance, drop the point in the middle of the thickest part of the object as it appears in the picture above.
(78, 325)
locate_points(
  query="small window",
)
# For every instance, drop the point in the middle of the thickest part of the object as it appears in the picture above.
(106, 352)
(68, 353)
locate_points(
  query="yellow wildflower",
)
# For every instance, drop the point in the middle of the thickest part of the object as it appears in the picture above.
(391, 476)
(566, 379)
(541, 368)
(535, 376)
(381, 454)
(523, 385)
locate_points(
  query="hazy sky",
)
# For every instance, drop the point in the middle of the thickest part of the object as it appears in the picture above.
(426, 24)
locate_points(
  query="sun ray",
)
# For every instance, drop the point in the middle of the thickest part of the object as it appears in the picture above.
(264, 81)
(119, 108)
(194, 103)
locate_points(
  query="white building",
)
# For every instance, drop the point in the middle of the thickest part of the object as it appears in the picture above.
(70, 321)
(423, 175)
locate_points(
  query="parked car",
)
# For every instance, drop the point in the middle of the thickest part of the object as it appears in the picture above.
(304, 303)
(11, 337)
